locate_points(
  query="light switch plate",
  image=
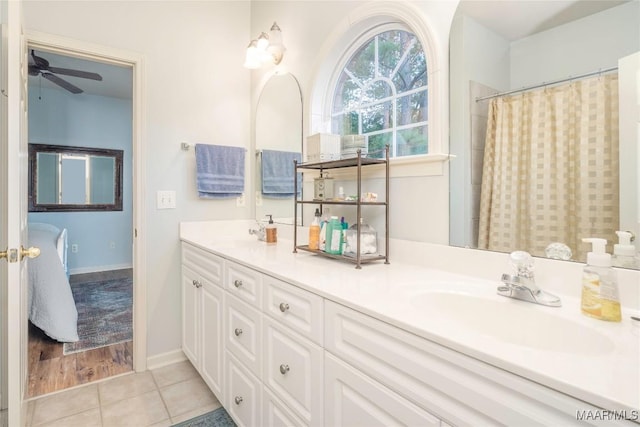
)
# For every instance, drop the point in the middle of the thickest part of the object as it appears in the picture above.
(165, 199)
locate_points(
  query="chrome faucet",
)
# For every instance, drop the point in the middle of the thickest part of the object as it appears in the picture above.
(522, 285)
(260, 232)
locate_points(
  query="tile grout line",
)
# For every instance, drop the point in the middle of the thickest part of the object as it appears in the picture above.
(166, 408)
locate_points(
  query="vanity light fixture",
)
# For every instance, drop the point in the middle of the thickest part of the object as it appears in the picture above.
(267, 48)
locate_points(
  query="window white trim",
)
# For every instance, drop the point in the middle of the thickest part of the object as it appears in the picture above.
(369, 19)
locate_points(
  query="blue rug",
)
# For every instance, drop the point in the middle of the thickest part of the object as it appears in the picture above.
(217, 418)
(105, 310)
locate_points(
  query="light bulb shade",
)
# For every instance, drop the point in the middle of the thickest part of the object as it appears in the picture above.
(252, 58)
(276, 47)
(263, 41)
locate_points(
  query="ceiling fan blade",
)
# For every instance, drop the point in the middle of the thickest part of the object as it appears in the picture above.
(75, 73)
(62, 83)
(40, 62)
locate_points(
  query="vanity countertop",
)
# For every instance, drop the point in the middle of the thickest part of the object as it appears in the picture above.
(601, 367)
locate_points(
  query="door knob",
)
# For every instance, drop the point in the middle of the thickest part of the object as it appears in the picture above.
(32, 252)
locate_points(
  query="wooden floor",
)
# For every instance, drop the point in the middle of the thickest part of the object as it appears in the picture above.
(50, 370)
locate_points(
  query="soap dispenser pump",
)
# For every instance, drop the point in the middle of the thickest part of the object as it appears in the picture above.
(599, 284)
(624, 253)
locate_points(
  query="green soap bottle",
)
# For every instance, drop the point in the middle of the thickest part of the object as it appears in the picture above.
(334, 236)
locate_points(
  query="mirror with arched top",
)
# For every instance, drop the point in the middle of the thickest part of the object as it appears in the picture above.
(278, 129)
(502, 46)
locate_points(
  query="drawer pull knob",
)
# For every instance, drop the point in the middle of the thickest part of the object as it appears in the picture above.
(284, 369)
(238, 332)
(197, 284)
(238, 400)
(237, 283)
(284, 307)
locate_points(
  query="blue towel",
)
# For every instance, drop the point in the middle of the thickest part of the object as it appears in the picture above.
(219, 171)
(277, 173)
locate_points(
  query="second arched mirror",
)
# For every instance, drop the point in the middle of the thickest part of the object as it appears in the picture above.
(279, 134)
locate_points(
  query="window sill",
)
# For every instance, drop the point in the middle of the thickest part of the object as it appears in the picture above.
(400, 167)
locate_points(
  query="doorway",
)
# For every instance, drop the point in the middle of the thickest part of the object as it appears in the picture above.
(67, 108)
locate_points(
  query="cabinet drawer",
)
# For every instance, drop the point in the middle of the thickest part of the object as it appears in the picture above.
(206, 266)
(299, 309)
(352, 398)
(243, 329)
(275, 413)
(455, 387)
(244, 394)
(293, 371)
(244, 283)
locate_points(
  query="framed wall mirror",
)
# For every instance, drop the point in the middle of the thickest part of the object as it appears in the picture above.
(68, 179)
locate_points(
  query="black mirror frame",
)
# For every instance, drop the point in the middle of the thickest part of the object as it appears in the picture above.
(34, 149)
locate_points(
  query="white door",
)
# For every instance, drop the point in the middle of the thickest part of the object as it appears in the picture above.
(13, 216)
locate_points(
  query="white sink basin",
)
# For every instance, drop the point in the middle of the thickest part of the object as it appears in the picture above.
(514, 322)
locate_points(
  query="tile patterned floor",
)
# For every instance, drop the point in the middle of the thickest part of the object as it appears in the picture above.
(161, 397)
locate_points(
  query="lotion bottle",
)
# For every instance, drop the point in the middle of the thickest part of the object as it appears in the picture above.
(600, 298)
(314, 232)
(624, 253)
(271, 231)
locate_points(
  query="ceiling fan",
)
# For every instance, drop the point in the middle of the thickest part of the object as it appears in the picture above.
(41, 66)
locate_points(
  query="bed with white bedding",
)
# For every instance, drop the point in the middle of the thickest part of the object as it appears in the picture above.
(51, 305)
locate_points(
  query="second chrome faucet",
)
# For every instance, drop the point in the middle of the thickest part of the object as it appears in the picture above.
(521, 285)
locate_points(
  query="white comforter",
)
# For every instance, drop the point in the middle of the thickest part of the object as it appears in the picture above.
(51, 304)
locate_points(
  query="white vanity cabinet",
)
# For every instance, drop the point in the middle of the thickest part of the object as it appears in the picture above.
(272, 342)
(454, 387)
(202, 302)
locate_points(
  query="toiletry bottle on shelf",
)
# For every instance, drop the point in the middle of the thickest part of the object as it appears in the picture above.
(271, 231)
(314, 232)
(624, 253)
(334, 234)
(324, 221)
(599, 284)
(343, 235)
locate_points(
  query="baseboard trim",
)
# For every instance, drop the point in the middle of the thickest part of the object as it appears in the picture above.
(95, 269)
(164, 359)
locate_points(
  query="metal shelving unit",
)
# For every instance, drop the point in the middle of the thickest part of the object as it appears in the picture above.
(358, 163)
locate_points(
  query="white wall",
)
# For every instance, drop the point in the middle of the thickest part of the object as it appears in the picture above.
(196, 91)
(595, 42)
(61, 118)
(477, 55)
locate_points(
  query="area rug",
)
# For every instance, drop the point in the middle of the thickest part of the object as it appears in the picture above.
(105, 310)
(217, 418)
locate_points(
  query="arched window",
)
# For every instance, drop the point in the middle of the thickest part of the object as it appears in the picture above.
(381, 93)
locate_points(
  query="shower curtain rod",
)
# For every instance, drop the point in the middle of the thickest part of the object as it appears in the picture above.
(543, 84)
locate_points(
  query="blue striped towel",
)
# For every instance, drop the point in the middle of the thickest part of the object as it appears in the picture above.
(277, 173)
(219, 171)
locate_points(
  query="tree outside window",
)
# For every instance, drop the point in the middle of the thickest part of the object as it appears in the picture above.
(382, 93)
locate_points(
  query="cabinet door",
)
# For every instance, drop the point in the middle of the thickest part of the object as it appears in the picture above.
(352, 399)
(293, 371)
(243, 333)
(190, 317)
(243, 395)
(211, 337)
(275, 413)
